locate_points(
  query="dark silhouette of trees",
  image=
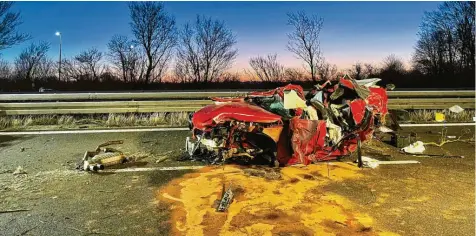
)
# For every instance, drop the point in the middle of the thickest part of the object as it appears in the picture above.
(28, 65)
(446, 45)
(5, 69)
(304, 40)
(393, 69)
(89, 63)
(370, 71)
(444, 55)
(267, 68)
(155, 32)
(127, 59)
(359, 71)
(326, 71)
(9, 22)
(205, 51)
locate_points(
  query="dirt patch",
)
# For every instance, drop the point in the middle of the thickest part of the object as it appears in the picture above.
(296, 204)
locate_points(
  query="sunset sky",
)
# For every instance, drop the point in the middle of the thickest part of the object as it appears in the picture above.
(353, 31)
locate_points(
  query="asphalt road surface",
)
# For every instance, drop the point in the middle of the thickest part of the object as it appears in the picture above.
(435, 197)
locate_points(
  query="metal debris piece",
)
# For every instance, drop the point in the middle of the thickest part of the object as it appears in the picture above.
(225, 200)
(162, 159)
(102, 157)
(434, 155)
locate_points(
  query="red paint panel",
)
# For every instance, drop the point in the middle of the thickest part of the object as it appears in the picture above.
(307, 140)
(346, 83)
(280, 91)
(357, 107)
(378, 99)
(216, 114)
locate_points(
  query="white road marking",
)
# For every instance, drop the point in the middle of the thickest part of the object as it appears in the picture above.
(437, 124)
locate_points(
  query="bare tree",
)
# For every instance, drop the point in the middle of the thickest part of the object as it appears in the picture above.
(394, 64)
(370, 70)
(446, 46)
(89, 63)
(155, 31)
(267, 68)
(70, 70)
(357, 71)
(27, 64)
(295, 74)
(9, 22)
(205, 51)
(46, 68)
(392, 70)
(326, 71)
(304, 40)
(127, 59)
(5, 69)
(230, 77)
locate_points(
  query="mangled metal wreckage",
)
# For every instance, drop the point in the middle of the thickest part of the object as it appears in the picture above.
(284, 126)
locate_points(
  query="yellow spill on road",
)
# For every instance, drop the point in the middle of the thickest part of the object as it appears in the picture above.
(296, 204)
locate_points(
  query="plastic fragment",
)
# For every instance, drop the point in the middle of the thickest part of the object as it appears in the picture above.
(456, 109)
(416, 147)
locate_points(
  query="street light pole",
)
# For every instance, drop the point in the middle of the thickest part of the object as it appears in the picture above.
(59, 63)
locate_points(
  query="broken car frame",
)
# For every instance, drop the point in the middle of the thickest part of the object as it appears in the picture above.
(284, 126)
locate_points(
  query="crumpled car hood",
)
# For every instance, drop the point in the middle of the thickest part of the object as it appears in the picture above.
(215, 114)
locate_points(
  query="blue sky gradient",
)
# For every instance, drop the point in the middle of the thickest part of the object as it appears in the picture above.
(353, 31)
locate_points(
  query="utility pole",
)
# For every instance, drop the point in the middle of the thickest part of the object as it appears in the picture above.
(59, 63)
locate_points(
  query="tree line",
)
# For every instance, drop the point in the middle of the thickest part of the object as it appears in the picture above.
(162, 55)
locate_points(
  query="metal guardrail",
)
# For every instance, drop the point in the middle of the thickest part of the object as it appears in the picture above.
(80, 103)
(195, 95)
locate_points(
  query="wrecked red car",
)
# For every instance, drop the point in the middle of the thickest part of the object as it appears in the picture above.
(285, 126)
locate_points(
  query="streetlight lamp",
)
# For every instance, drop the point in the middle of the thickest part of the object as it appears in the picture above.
(59, 66)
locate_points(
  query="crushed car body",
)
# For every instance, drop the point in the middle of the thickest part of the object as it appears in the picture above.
(284, 126)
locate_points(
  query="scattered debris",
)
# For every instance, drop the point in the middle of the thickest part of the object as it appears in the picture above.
(444, 141)
(374, 163)
(11, 211)
(439, 117)
(370, 162)
(385, 129)
(162, 159)
(416, 147)
(102, 157)
(435, 155)
(226, 199)
(456, 109)
(19, 171)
